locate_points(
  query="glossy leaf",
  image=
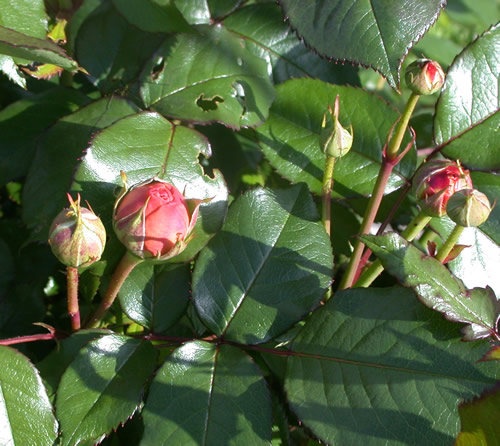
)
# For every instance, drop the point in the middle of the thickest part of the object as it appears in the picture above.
(26, 415)
(102, 388)
(267, 267)
(269, 37)
(378, 33)
(49, 177)
(156, 296)
(290, 137)
(480, 420)
(467, 117)
(207, 77)
(25, 16)
(146, 145)
(207, 394)
(374, 366)
(22, 123)
(436, 286)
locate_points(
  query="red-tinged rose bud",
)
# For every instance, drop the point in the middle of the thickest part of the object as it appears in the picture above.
(468, 207)
(436, 181)
(424, 76)
(77, 236)
(153, 220)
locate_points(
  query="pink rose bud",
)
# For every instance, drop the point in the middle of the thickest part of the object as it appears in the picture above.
(436, 181)
(153, 220)
(424, 76)
(468, 207)
(77, 236)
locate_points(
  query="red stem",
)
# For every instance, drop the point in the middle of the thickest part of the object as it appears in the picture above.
(73, 308)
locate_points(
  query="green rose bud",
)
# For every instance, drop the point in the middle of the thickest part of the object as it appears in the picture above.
(77, 236)
(468, 207)
(335, 140)
(424, 76)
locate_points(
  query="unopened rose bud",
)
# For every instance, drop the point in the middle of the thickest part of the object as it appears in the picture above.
(468, 207)
(154, 221)
(77, 236)
(424, 76)
(335, 140)
(435, 182)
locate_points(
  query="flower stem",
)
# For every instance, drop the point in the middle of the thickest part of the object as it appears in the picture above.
(124, 268)
(326, 195)
(414, 228)
(391, 156)
(73, 308)
(450, 242)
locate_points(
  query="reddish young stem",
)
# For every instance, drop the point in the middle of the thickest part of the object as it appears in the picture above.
(73, 308)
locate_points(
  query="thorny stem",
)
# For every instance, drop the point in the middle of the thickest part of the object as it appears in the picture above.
(72, 286)
(326, 191)
(450, 242)
(391, 157)
(124, 268)
(412, 230)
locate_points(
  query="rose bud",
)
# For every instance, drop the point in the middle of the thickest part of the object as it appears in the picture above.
(153, 220)
(436, 181)
(468, 207)
(335, 140)
(424, 76)
(77, 236)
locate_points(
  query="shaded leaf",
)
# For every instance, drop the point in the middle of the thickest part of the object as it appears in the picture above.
(288, 57)
(51, 172)
(207, 394)
(146, 145)
(467, 118)
(290, 137)
(20, 45)
(378, 33)
(267, 267)
(436, 286)
(22, 123)
(156, 296)
(480, 420)
(374, 366)
(105, 45)
(207, 77)
(102, 388)
(152, 15)
(26, 415)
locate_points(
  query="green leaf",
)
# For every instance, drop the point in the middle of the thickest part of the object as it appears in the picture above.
(20, 45)
(51, 172)
(378, 33)
(374, 366)
(146, 145)
(55, 363)
(480, 420)
(436, 286)
(152, 15)
(25, 16)
(270, 38)
(267, 267)
(290, 137)
(106, 44)
(207, 77)
(22, 123)
(156, 296)
(102, 388)
(207, 394)
(26, 415)
(489, 184)
(467, 118)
